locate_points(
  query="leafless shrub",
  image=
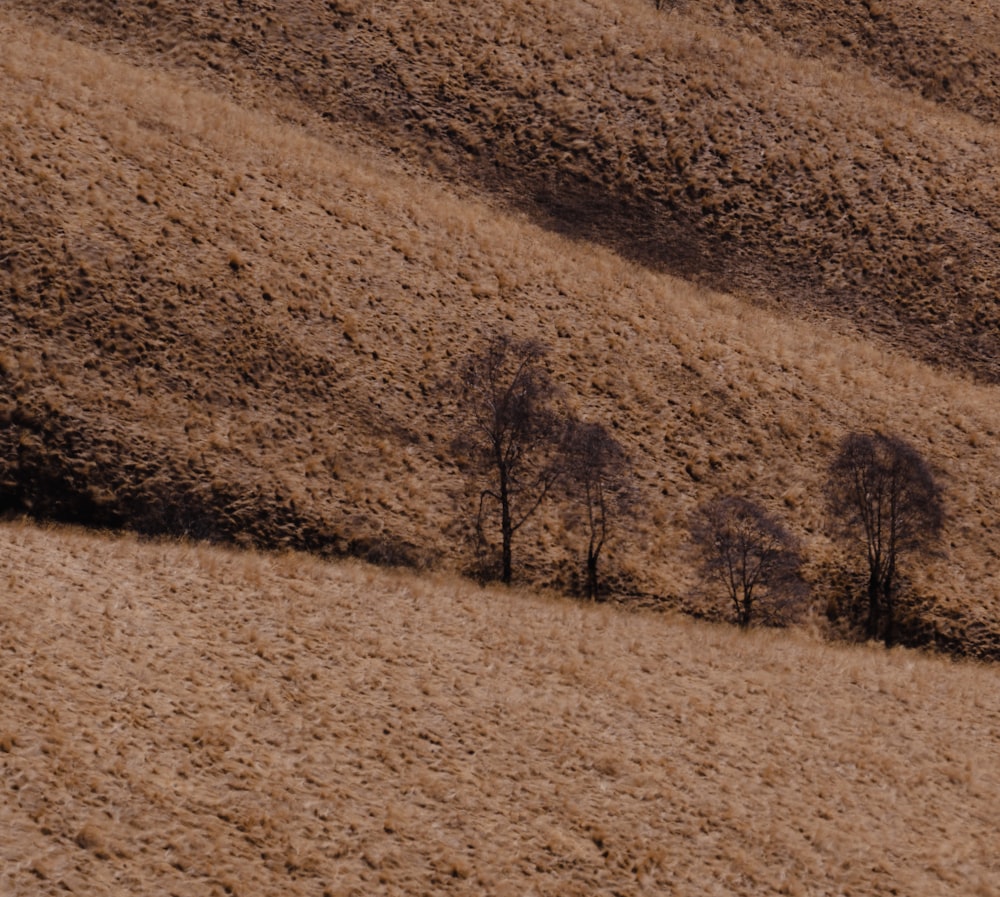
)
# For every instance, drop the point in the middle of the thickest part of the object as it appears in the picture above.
(748, 552)
(598, 485)
(885, 503)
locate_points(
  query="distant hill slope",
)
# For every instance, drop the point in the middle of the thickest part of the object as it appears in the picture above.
(223, 323)
(946, 52)
(184, 720)
(742, 143)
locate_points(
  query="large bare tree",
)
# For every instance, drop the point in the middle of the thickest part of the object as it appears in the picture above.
(884, 499)
(598, 484)
(509, 434)
(748, 552)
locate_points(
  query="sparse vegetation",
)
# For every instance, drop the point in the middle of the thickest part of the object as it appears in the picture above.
(509, 435)
(888, 504)
(750, 555)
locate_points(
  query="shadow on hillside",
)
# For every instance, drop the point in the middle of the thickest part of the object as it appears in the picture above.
(50, 470)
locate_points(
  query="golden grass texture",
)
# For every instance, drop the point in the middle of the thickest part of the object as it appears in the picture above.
(938, 51)
(196, 721)
(218, 324)
(743, 148)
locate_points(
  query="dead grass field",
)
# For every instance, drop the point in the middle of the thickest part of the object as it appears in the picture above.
(198, 721)
(242, 244)
(221, 323)
(838, 163)
(936, 50)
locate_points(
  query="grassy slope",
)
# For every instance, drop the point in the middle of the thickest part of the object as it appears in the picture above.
(941, 51)
(753, 150)
(221, 325)
(203, 722)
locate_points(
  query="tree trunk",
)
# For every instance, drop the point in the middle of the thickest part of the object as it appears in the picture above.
(745, 607)
(872, 625)
(744, 617)
(506, 529)
(592, 584)
(506, 573)
(888, 610)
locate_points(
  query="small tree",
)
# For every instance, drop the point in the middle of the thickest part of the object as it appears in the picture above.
(509, 433)
(885, 500)
(748, 552)
(597, 480)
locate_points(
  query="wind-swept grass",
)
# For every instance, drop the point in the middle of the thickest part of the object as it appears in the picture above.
(187, 719)
(222, 325)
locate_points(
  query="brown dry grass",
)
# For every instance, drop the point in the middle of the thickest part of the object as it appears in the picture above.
(749, 147)
(231, 275)
(216, 323)
(187, 720)
(936, 50)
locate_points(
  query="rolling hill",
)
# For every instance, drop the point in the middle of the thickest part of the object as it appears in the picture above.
(244, 247)
(241, 246)
(189, 720)
(839, 162)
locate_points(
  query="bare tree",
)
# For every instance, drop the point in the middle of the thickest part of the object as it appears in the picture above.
(598, 481)
(885, 499)
(509, 434)
(749, 553)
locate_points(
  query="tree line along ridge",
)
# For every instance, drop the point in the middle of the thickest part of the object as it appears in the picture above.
(519, 447)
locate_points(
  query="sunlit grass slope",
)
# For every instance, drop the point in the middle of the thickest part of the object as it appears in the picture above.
(842, 163)
(939, 51)
(187, 720)
(217, 324)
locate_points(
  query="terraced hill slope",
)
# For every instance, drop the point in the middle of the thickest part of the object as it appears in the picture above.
(239, 247)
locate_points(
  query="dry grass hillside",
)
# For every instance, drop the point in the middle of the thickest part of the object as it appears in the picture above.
(945, 52)
(227, 321)
(811, 159)
(186, 720)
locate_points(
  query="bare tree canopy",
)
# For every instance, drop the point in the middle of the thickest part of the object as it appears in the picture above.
(509, 434)
(598, 482)
(749, 553)
(885, 500)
